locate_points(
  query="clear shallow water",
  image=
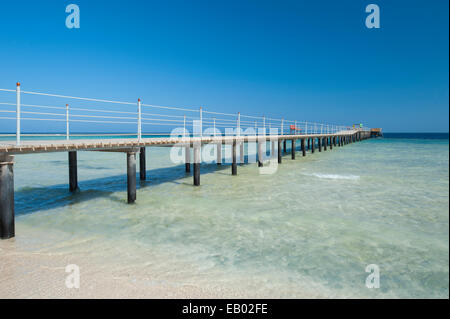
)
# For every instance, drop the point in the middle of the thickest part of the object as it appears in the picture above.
(310, 229)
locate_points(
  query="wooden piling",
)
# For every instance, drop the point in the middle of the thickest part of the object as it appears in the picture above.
(7, 228)
(280, 158)
(293, 149)
(219, 153)
(319, 141)
(187, 158)
(331, 142)
(260, 153)
(309, 144)
(197, 149)
(142, 164)
(234, 164)
(303, 147)
(131, 177)
(313, 145)
(73, 171)
(284, 146)
(241, 153)
(325, 143)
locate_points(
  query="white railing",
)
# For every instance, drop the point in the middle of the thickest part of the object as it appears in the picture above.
(76, 112)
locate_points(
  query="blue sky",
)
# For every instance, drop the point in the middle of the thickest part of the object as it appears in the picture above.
(304, 60)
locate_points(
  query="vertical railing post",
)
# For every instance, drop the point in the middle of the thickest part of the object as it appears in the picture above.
(201, 121)
(264, 125)
(306, 128)
(282, 128)
(18, 113)
(184, 126)
(67, 122)
(214, 126)
(239, 124)
(295, 127)
(139, 132)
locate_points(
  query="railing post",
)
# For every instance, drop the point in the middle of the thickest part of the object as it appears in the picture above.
(201, 121)
(306, 128)
(184, 126)
(238, 133)
(67, 122)
(214, 123)
(139, 121)
(18, 113)
(264, 125)
(295, 127)
(282, 127)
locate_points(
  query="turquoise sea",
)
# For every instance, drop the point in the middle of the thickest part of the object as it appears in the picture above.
(309, 230)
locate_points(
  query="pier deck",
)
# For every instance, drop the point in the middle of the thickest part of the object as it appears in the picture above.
(44, 146)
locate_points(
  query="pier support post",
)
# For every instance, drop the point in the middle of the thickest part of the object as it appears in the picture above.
(73, 171)
(334, 141)
(313, 145)
(260, 153)
(280, 158)
(131, 177)
(187, 158)
(293, 149)
(319, 141)
(303, 147)
(272, 149)
(325, 142)
(284, 146)
(142, 164)
(6, 197)
(219, 153)
(331, 142)
(197, 165)
(241, 153)
(309, 144)
(233, 154)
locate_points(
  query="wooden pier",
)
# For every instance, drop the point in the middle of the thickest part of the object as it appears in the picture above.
(132, 147)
